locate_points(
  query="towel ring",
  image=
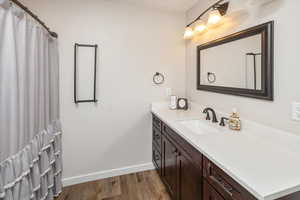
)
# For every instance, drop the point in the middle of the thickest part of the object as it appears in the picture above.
(158, 78)
(211, 77)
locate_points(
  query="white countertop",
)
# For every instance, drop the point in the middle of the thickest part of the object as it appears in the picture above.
(265, 161)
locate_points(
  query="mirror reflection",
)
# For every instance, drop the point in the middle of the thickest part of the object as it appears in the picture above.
(236, 64)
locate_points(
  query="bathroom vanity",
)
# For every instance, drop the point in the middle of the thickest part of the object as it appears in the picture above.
(218, 164)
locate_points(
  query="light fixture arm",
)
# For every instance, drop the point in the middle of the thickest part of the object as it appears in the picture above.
(219, 5)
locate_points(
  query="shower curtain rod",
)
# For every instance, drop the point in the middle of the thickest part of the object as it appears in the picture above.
(53, 34)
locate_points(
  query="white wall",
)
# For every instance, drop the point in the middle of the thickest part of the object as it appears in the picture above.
(287, 65)
(135, 42)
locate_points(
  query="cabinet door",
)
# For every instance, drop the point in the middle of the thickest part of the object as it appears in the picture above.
(156, 138)
(169, 172)
(189, 179)
(209, 193)
(156, 158)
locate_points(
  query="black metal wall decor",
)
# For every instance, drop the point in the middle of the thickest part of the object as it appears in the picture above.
(76, 99)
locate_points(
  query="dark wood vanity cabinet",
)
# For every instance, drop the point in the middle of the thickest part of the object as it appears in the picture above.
(189, 175)
(176, 166)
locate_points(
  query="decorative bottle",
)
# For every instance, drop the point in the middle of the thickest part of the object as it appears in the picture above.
(234, 121)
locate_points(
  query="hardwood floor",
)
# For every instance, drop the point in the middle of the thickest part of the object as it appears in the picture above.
(138, 186)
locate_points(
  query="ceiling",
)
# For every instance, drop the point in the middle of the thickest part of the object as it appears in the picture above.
(165, 5)
(169, 5)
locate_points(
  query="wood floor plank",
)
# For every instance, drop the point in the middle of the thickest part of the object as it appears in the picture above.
(157, 187)
(137, 186)
(107, 188)
(143, 187)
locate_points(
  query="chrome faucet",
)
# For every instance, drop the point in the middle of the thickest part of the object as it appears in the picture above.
(206, 111)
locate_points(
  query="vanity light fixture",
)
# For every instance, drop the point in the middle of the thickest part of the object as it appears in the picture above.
(214, 17)
(200, 26)
(188, 33)
(217, 10)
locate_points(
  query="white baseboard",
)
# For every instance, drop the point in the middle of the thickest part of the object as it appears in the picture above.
(106, 174)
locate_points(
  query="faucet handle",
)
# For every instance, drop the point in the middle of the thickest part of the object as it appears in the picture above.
(223, 119)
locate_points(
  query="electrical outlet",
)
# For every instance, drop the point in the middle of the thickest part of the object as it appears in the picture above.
(168, 92)
(296, 111)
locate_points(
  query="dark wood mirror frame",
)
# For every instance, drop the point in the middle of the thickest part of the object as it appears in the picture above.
(267, 34)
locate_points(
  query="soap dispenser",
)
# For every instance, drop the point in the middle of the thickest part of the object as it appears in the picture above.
(234, 121)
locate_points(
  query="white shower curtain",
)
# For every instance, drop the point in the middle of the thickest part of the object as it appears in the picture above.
(30, 132)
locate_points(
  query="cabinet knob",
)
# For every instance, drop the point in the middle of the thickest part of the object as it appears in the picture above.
(156, 157)
(209, 167)
(176, 152)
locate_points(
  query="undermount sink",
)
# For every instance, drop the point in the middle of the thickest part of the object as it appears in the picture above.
(198, 126)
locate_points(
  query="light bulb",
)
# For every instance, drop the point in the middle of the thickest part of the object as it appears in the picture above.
(199, 26)
(214, 17)
(188, 33)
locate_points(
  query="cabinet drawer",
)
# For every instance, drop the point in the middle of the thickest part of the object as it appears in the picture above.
(156, 157)
(156, 138)
(210, 193)
(223, 183)
(156, 122)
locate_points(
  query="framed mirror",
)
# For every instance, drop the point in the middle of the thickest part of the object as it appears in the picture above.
(239, 64)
